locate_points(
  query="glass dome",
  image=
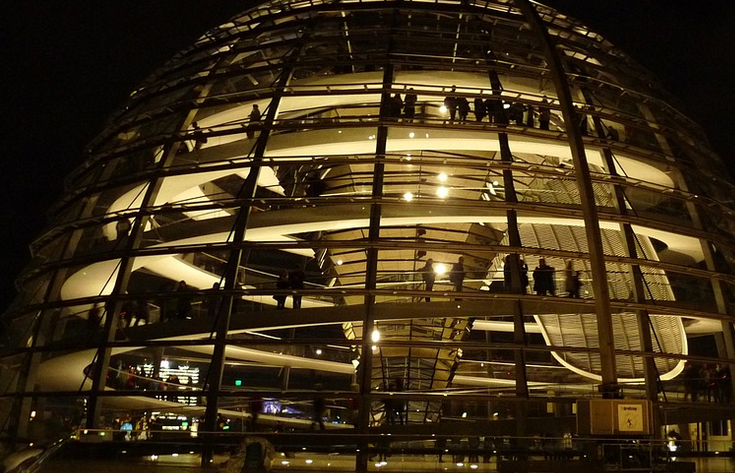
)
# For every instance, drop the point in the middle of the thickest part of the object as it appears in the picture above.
(423, 212)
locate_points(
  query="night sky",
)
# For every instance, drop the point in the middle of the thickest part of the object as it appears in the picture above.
(68, 65)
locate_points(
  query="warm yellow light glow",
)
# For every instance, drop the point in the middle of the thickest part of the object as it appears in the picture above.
(440, 269)
(411, 135)
(443, 176)
(443, 109)
(442, 192)
(340, 262)
(375, 337)
(408, 196)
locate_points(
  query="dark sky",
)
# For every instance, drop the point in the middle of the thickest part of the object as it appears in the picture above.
(68, 65)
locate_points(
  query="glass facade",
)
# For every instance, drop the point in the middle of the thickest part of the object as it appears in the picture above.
(423, 212)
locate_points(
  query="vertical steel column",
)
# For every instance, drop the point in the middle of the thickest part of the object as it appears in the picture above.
(718, 286)
(230, 286)
(124, 271)
(371, 275)
(27, 379)
(520, 340)
(519, 328)
(650, 373)
(587, 197)
(114, 304)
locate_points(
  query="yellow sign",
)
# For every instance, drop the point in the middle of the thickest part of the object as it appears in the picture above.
(630, 418)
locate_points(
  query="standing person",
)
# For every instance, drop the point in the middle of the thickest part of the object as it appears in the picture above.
(296, 281)
(508, 271)
(183, 301)
(479, 109)
(571, 281)
(508, 274)
(198, 135)
(544, 115)
(457, 274)
(692, 377)
(613, 134)
(409, 105)
(463, 106)
(725, 384)
(214, 301)
(319, 408)
(524, 276)
(122, 228)
(142, 314)
(516, 113)
(494, 110)
(529, 116)
(282, 284)
(450, 102)
(253, 121)
(429, 276)
(543, 279)
(395, 105)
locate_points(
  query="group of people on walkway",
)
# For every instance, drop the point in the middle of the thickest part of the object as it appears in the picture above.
(456, 275)
(458, 108)
(712, 383)
(497, 111)
(290, 280)
(543, 277)
(179, 304)
(396, 105)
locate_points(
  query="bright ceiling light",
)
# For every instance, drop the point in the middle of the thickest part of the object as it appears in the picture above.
(442, 192)
(443, 176)
(375, 337)
(408, 197)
